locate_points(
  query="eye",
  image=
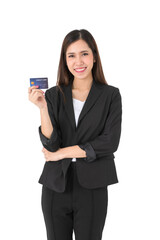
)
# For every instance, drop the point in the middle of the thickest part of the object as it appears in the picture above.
(71, 56)
(85, 53)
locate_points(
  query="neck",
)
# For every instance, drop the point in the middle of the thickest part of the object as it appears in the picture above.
(82, 84)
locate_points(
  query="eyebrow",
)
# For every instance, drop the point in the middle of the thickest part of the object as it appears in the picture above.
(80, 52)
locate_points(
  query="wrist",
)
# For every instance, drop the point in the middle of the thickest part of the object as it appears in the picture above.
(44, 108)
(73, 152)
(63, 153)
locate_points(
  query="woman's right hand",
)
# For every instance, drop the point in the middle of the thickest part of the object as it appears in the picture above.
(37, 97)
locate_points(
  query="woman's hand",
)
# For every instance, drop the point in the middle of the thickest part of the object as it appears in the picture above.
(52, 156)
(37, 97)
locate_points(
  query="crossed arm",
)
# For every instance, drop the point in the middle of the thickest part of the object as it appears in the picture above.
(51, 139)
(66, 152)
(103, 145)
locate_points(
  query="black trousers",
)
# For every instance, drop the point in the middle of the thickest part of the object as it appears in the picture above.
(79, 209)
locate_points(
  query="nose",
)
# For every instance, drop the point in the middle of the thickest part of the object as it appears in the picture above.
(78, 61)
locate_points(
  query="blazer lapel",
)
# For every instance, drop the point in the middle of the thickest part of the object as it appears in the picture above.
(93, 95)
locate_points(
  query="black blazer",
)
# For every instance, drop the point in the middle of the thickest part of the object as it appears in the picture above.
(98, 133)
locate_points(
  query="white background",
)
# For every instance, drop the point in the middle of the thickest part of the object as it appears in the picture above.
(128, 37)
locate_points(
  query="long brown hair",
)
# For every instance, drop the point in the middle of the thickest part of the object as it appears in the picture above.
(64, 76)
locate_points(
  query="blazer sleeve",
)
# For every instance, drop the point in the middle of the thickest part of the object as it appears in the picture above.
(53, 143)
(107, 142)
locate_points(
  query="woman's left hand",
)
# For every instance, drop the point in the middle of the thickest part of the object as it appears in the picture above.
(52, 156)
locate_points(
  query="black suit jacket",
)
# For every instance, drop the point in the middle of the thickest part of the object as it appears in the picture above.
(98, 133)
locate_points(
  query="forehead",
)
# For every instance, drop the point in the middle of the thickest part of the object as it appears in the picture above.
(78, 46)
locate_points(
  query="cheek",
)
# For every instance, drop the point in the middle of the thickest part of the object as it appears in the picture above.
(89, 60)
(69, 64)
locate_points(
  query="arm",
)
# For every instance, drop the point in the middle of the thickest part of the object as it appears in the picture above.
(48, 131)
(107, 142)
(46, 125)
(72, 152)
(66, 152)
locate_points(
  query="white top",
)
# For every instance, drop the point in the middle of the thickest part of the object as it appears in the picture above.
(78, 105)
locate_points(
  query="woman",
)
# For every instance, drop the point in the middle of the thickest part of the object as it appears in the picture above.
(80, 130)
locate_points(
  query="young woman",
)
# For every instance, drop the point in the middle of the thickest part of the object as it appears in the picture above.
(80, 130)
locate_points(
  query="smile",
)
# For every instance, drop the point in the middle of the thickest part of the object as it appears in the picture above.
(80, 70)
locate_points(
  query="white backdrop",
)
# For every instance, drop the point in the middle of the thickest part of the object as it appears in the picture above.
(128, 36)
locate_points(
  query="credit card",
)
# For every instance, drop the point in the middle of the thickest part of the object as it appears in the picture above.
(41, 82)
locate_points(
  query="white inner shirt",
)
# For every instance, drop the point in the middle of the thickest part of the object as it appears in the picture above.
(78, 105)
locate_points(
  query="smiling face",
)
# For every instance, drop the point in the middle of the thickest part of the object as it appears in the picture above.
(80, 59)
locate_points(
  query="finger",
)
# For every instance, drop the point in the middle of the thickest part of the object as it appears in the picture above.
(36, 95)
(31, 88)
(43, 149)
(36, 91)
(34, 87)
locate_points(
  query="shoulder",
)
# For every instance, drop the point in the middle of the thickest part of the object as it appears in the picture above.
(52, 92)
(110, 93)
(110, 89)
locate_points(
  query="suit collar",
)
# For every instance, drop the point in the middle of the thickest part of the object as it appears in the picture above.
(92, 97)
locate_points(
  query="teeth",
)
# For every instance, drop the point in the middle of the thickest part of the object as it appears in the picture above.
(81, 69)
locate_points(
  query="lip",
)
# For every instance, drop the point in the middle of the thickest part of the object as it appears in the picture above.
(79, 69)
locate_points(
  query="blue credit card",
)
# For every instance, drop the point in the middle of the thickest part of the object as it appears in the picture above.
(41, 82)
